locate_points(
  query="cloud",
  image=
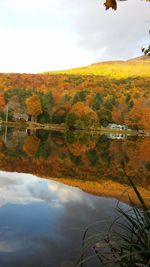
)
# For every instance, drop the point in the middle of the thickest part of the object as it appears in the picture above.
(121, 33)
(38, 50)
(38, 36)
(24, 5)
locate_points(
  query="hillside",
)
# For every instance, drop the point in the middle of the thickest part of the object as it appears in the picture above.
(114, 69)
(108, 92)
(141, 58)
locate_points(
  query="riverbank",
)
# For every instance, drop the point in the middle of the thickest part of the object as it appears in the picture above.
(34, 125)
(61, 127)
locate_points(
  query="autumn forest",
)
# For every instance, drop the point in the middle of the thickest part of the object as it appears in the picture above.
(90, 97)
(74, 133)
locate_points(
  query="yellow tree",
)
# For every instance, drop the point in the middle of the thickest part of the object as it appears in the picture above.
(34, 107)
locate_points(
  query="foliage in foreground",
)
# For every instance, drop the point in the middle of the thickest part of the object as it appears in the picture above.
(127, 243)
(113, 4)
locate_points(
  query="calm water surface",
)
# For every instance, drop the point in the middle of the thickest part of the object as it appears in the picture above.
(42, 221)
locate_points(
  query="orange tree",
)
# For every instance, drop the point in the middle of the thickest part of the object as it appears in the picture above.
(2, 101)
(34, 107)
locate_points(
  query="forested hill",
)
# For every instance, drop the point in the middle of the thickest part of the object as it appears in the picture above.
(110, 92)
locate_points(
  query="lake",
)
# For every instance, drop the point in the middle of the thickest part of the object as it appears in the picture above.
(54, 185)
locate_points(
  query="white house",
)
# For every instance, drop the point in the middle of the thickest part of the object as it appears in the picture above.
(114, 126)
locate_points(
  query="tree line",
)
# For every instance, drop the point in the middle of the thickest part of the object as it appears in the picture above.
(77, 101)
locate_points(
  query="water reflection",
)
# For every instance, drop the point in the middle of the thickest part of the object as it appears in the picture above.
(116, 136)
(42, 222)
(76, 155)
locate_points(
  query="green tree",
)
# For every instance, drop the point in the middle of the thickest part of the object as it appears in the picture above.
(44, 118)
(59, 116)
(131, 104)
(80, 96)
(97, 101)
(105, 117)
(71, 120)
(46, 101)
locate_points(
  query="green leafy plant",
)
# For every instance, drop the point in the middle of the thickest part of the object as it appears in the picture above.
(127, 242)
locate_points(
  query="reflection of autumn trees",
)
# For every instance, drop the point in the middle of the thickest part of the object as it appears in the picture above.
(78, 155)
(31, 146)
(80, 142)
(136, 156)
(1, 143)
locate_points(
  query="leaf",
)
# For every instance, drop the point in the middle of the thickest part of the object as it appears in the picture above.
(111, 4)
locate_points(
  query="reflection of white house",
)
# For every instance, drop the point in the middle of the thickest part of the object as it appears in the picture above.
(114, 126)
(116, 136)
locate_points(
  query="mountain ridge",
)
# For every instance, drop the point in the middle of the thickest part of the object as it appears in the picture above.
(135, 59)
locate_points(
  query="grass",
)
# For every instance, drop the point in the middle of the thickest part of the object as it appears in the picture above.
(127, 242)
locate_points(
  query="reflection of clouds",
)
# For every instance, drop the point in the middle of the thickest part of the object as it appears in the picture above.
(14, 188)
(19, 188)
(11, 246)
(65, 193)
(48, 230)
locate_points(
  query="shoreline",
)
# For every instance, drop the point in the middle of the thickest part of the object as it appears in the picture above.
(107, 188)
(61, 127)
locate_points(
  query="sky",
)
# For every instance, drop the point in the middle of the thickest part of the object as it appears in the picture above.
(44, 35)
